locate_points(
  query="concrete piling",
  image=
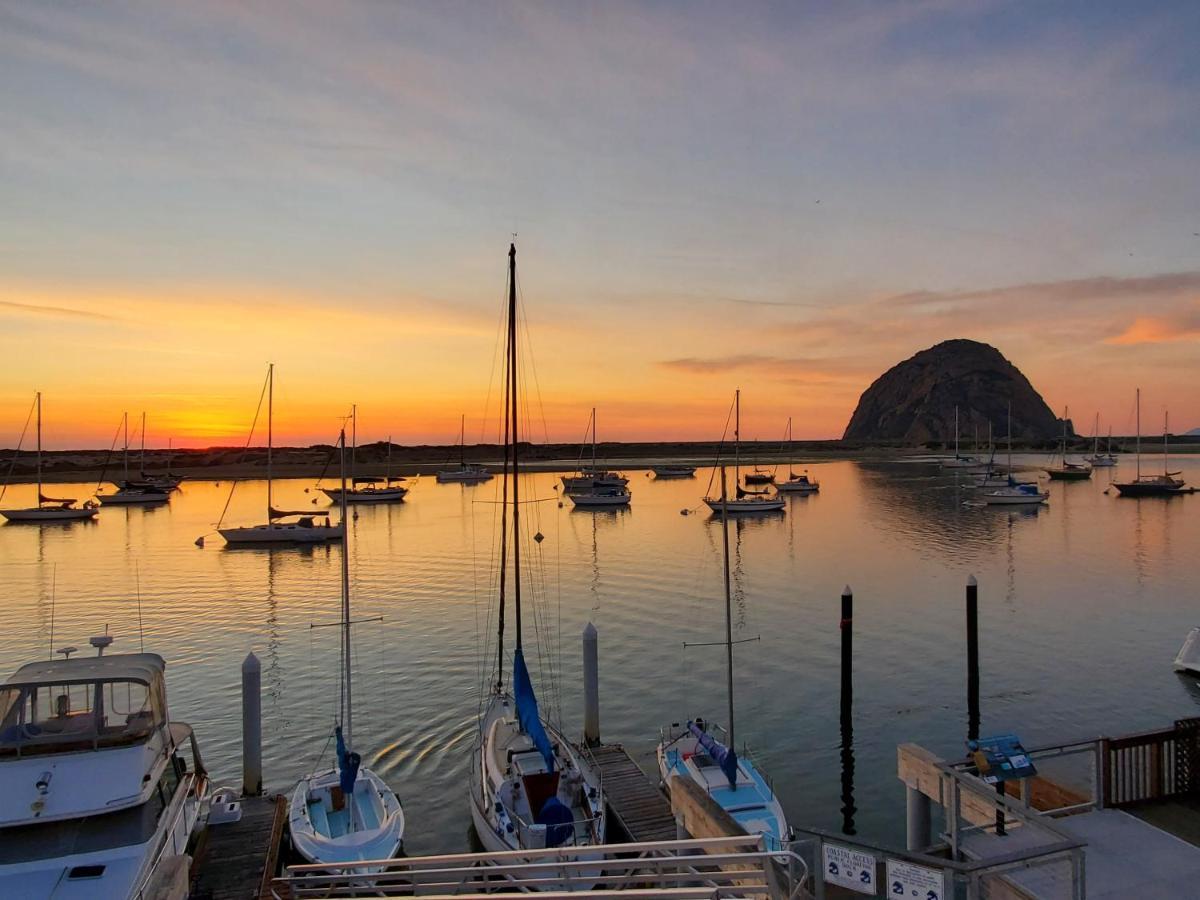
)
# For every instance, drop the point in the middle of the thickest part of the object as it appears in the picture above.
(591, 685)
(251, 726)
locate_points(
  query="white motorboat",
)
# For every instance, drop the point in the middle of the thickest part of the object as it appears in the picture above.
(48, 509)
(367, 489)
(745, 501)
(346, 813)
(96, 795)
(673, 470)
(529, 788)
(731, 780)
(1188, 657)
(466, 473)
(282, 526)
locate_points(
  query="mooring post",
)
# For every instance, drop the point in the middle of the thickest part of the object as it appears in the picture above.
(847, 719)
(919, 831)
(251, 726)
(591, 685)
(972, 659)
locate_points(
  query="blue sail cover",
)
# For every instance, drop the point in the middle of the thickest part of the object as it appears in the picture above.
(348, 763)
(527, 709)
(725, 757)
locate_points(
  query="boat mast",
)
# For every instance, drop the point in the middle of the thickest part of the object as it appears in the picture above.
(509, 453)
(1096, 438)
(462, 442)
(791, 451)
(125, 421)
(347, 713)
(1166, 431)
(353, 443)
(956, 432)
(513, 399)
(39, 447)
(728, 610)
(737, 427)
(387, 469)
(1010, 442)
(270, 427)
(593, 442)
(143, 462)
(1138, 407)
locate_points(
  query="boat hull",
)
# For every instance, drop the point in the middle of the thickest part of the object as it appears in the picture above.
(798, 487)
(378, 495)
(455, 476)
(52, 514)
(1135, 489)
(133, 498)
(673, 471)
(1069, 474)
(374, 809)
(746, 506)
(1015, 499)
(599, 501)
(282, 534)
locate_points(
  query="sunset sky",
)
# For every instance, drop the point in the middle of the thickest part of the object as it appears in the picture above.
(789, 198)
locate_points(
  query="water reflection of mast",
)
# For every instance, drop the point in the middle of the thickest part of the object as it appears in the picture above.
(739, 595)
(594, 587)
(274, 672)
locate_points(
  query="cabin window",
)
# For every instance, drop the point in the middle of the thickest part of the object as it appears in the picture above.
(49, 718)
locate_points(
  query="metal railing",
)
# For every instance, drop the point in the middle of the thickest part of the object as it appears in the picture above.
(709, 867)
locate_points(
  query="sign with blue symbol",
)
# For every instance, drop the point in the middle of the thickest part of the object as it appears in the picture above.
(850, 868)
(1001, 758)
(912, 882)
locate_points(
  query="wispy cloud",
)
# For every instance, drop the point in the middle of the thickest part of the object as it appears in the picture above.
(58, 312)
(1181, 325)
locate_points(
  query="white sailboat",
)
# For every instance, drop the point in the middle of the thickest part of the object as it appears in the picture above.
(465, 473)
(96, 791)
(279, 529)
(529, 787)
(1015, 493)
(588, 478)
(346, 813)
(49, 509)
(134, 493)
(599, 494)
(731, 780)
(1067, 470)
(796, 483)
(746, 501)
(366, 489)
(1105, 460)
(959, 461)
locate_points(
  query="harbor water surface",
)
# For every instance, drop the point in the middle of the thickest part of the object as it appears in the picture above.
(1083, 605)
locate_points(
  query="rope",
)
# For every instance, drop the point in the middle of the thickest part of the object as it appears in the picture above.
(245, 449)
(12, 466)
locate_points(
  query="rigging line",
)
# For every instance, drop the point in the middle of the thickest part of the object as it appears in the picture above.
(253, 424)
(500, 338)
(720, 446)
(537, 385)
(108, 457)
(16, 453)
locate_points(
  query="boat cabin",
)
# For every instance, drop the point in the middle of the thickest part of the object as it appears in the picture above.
(94, 703)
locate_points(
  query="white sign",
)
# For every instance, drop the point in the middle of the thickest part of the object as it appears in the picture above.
(913, 882)
(850, 868)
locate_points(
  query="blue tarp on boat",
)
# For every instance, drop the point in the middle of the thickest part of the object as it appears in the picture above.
(527, 709)
(348, 763)
(725, 757)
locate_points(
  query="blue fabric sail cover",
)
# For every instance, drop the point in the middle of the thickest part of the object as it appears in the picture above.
(527, 709)
(348, 763)
(725, 757)
(558, 821)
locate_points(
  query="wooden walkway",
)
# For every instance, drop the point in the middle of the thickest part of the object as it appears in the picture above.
(633, 799)
(236, 861)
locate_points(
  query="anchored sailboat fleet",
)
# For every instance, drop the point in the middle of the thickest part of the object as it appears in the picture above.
(529, 787)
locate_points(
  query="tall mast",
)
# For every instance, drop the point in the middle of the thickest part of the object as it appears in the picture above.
(125, 420)
(956, 432)
(270, 430)
(728, 610)
(513, 403)
(1096, 437)
(791, 449)
(1138, 406)
(593, 442)
(1010, 441)
(1166, 431)
(508, 448)
(143, 462)
(387, 470)
(737, 440)
(353, 442)
(39, 447)
(1066, 412)
(462, 442)
(348, 712)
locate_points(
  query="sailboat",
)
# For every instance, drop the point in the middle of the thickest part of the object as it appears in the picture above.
(599, 495)
(795, 484)
(733, 782)
(759, 474)
(529, 787)
(1107, 459)
(746, 501)
(346, 813)
(1015, 493)
(49, 509)
(464, 474)
(673, 470)
(959, 461)
(372, 490)
(1067, 470)
(589, 478)
(129, 492)
(305, 529)
(1164, 485)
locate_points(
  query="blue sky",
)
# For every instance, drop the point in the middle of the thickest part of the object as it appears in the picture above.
(705, 195)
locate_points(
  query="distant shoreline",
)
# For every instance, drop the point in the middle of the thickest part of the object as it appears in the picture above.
(223, 463)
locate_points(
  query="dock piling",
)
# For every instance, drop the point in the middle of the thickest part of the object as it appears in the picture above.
(972, 659)
(847, 712)
(251, 726)
(591, 686)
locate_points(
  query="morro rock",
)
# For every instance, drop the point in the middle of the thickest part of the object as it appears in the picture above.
(914, 400)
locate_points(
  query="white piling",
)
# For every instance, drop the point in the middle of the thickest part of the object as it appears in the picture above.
(251, 726)
(591, 686)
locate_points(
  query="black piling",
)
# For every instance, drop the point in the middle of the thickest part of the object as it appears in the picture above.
(972, 659)
(847, 627)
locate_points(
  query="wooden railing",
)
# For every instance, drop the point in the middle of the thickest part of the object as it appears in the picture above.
(1152, 765)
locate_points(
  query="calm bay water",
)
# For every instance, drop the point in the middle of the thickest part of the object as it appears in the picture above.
(1083, 606)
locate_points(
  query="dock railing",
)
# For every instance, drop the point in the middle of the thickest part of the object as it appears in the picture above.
(1151, 765)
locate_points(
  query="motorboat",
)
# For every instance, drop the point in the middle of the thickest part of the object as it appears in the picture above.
(96, 792)
(48, 509)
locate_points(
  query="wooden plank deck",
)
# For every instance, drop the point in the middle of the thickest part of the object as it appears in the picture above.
(641, 809)
(236, 861)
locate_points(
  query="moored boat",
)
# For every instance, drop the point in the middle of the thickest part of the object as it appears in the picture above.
(48, 509)
(745, 501)
(366, 489)
(466, 473)
(673, 470)
(1168, 484)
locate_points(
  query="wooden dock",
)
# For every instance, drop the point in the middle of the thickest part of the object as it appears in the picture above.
(236, 861)
(634, 800)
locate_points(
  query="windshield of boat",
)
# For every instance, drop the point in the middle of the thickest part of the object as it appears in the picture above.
(82, 715)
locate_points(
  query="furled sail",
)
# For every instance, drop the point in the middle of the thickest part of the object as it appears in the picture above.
(42, 498)
(527, 709)
(725, 757)
(348, 763)
(284, 513)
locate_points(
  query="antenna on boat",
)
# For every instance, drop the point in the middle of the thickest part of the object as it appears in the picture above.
(137, 582)
(53, 585)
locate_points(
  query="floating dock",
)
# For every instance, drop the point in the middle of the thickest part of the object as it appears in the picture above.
(636, 801)
(238, 860)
